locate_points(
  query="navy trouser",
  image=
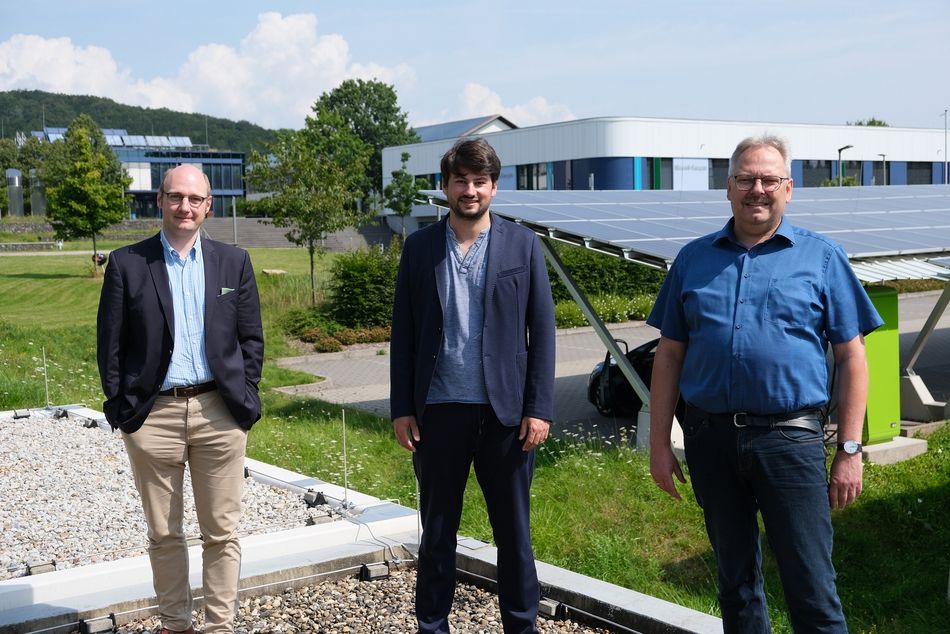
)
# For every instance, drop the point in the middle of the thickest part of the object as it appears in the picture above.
(453, 436)
(781, 472)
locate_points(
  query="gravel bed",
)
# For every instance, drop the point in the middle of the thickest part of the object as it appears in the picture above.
(68, 496)
(384, 606)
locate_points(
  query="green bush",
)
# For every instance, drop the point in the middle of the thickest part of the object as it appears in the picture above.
(567, 314)
(611, 309)
(362, 285)
(601, 274)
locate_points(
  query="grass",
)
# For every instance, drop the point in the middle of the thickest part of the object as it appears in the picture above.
(595, 509)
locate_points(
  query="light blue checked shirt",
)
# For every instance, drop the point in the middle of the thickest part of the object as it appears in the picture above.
(186, 280)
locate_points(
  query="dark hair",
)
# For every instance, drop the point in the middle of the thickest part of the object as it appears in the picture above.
(471, 155)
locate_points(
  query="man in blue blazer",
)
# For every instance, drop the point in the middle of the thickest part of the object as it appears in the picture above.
(472, 380)
(180, 348)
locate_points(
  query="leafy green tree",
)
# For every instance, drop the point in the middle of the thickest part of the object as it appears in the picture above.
(371, 110)
(401, 193)
(85, 184)
(8, 159)
(872, 122)
(313, 179)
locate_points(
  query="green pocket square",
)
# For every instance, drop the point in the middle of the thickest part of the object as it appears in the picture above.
(225, 290)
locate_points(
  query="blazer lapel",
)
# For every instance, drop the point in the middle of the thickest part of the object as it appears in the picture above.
(438, 261)
(155, 256)
(210, 258)
(496, 247)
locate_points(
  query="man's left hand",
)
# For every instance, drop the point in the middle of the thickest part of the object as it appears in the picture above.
(534, 431)
(847, 473)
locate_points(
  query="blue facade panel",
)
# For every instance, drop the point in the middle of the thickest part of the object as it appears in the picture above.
(508, 179)
(637, 173)
(798, 172)
(939, 177)
(608, 173)
(867, 173)
(560, 169)
(897, 173)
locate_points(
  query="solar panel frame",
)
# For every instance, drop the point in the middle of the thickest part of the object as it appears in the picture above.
(651, 226)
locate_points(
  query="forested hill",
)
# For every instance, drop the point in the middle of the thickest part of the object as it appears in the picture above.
(23, 110)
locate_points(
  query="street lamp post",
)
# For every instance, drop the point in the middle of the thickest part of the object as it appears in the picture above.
(840, 165)
(946, 174)
(884, 167)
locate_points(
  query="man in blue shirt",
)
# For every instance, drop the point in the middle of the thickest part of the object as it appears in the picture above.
(180, 349)
(745, 316)
(472, 381)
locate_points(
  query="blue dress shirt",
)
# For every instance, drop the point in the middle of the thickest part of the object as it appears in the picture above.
(757, 322)
(186, 280)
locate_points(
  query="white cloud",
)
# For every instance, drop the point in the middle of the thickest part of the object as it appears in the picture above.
(271, 78)
(479, 100)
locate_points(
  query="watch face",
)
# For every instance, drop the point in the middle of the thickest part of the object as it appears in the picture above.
(851, 446)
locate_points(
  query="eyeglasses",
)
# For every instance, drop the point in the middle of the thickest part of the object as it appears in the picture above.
(769, 183)
(176, 199)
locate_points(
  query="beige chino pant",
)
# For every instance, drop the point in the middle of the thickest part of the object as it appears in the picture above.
(201, 432)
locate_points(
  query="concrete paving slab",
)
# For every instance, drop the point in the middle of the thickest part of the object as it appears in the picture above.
(896, 450)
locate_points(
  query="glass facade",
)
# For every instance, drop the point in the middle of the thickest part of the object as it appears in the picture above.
(718, 173)
(919, 173)
(815, 172)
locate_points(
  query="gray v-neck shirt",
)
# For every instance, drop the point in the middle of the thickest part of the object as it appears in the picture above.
(459, 376)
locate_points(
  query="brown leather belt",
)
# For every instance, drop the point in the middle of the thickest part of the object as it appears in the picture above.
(189, 391)
(812, 419)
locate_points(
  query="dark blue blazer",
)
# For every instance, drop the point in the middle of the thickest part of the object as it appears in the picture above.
(517, 336)
(135, 328)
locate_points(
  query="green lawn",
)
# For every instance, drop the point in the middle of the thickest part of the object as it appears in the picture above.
(595, 509)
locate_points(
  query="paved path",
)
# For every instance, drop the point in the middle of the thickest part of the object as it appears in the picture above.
(360, 378)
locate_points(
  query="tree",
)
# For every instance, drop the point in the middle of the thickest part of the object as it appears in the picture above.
(371, 110)
(8, 159)
(401, 193)
(872, 122)
(313, 177)
(85, 184)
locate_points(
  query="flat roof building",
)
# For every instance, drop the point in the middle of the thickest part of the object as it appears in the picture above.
(146, 158)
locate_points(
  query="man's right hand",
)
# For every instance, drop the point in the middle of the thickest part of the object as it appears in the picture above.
(403, 427)
(663, 465)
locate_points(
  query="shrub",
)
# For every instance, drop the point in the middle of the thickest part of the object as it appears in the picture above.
(362, 285)
(567, 314)
(601, 274)
(327, 344)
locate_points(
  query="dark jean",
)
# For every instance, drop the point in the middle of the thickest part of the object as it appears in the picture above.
(735, 473)
(452, 437)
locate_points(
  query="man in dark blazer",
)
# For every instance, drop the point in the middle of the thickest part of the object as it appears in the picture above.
(472, 380)
(180, 349)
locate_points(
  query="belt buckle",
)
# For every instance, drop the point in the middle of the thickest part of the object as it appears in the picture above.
(735, 419)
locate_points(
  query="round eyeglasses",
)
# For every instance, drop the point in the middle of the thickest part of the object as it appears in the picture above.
(769, 183)
(176, 199)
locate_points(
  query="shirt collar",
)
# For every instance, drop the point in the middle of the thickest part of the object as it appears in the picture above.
(727, 234)
(195, 249)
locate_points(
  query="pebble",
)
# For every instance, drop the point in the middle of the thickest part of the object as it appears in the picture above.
(68, 496)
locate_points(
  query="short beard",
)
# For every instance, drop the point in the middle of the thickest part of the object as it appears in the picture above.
(465, 215)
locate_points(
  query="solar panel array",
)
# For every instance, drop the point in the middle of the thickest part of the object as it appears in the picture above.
(910, 221)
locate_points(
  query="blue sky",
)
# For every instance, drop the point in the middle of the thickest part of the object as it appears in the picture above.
(534, 62)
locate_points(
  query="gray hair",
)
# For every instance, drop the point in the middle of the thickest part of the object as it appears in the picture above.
(766, 140)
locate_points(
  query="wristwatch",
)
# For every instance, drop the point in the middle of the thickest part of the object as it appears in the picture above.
(850, 447)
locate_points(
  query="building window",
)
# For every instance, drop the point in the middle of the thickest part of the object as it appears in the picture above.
(718, 173)
(815, 172)
(533, 176)
(919, 173)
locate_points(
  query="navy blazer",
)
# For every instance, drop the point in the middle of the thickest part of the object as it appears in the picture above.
(135, 328)
(517, 336)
